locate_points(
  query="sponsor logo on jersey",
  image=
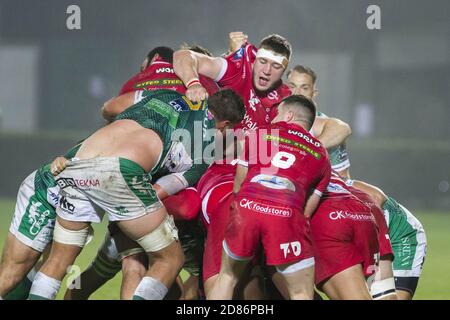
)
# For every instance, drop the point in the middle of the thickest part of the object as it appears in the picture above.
(249, 123)
(53, 196)
(66, 205)
(159, 83)
(305, 137)
(343, 214)
(336, 188)
(79, 183)
(273, 95)
(165, 70)
(295, 144)
(238, 54)
(273, 182)
(291, 247)
(184, 104)
(253, 101)
(265, 209)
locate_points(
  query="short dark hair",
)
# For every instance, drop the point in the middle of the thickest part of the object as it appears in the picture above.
(308, 108)
(278, 44)
(227, 105)
(165, 53)
(196, 48)
(303, 69)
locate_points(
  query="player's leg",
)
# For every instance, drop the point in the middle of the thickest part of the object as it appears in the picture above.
(17, 260)
(404, 295)
(349, 284)
(383, 285)
(69, 239)
(134, 268)
(299, 279)
(104, 267)
(231, 270)
(29, 234)
(157, 235)
(191, 288)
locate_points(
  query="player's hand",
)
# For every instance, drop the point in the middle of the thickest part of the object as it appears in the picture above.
(236, 40)
(58, 165)
(196, 93)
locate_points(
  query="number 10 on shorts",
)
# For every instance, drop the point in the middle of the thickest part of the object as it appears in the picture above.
(294, 247)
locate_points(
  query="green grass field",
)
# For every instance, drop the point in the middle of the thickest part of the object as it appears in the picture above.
(434, 282)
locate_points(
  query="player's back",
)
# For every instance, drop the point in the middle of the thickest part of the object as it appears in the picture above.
(285, 164)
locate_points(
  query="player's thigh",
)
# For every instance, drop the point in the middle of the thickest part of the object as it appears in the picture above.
(349, 284)
(16, 252)
(143, 225)
(404, 295)
(299, 283)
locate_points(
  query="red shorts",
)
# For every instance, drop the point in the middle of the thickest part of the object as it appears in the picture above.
(383, 230)
(383, 233)
(284, 232)
(344, 234)
(214, 199)
(217, 223)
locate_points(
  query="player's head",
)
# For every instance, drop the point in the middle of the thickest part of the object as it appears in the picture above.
(297, 109)
(196, 48)
(271, 61)
(227, 108)
(302, 80)
(164, 53)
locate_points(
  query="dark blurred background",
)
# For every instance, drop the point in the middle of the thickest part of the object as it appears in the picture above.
(391, 85)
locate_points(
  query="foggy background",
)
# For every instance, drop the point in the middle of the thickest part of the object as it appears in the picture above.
(391, 85)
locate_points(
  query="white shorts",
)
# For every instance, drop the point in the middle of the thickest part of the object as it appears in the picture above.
(117, 186)
(34, 215)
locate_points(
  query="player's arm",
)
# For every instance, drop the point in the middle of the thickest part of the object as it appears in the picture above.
(160, 192)
(116, 105)
(331, 131)
(236, 40)
(58, 165)
(241, 173)
(188, 65)
(377, 195)
(313, 201)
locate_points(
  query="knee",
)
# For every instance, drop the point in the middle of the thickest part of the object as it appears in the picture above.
(132, 265)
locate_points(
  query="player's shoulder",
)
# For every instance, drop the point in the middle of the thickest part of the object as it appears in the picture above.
(284, 91)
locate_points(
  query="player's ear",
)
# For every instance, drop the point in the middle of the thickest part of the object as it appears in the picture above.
(315, 93)
(224, 125)
(156, 56)
(289, 115)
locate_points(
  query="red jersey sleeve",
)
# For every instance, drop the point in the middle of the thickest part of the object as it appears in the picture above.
(129, 86)
(236, 66)
(209, 85)
(325, 179)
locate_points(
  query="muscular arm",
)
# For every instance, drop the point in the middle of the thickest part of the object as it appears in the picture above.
(114, 106)
(189, 64)
(331, 131)
(241, 173)
(311, 205)
(377, 195)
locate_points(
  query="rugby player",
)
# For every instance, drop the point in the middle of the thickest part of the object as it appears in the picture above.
(156, 73)
(331, 132)
(407, 237)
(346, 246)
(30, 232)
(115, 162)
(274, 200)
